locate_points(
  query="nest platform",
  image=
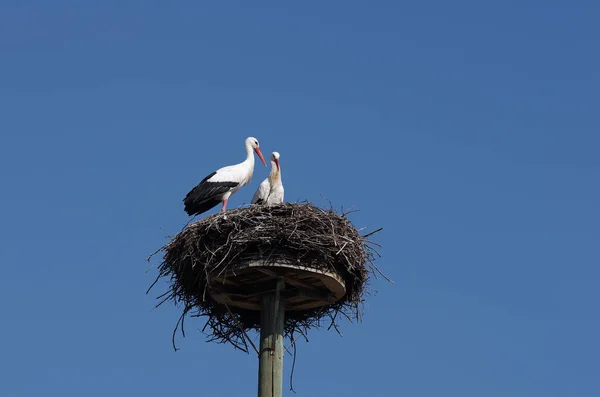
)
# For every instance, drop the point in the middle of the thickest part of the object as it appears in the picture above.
(220, 266)
(306, 287)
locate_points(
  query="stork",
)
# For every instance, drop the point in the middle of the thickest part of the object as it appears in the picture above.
(270, 190)
(221, 184)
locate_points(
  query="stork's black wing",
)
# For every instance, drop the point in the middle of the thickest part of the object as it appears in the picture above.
(206, 195)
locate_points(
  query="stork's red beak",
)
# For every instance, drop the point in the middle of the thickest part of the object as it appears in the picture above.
(277, 162)
(257, 150)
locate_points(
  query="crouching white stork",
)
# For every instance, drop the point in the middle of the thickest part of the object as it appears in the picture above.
(270, 190)
(221, 184)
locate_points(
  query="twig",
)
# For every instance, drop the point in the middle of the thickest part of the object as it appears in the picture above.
(372, 233)
(175, 329)
(382, 274)
(154, 283)
(291, 343)
(293, 367)
(242, 329)
(154, 253)
(343, 246)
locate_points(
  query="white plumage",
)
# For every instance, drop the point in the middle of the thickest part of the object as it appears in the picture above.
(221, 184)
(271, 189)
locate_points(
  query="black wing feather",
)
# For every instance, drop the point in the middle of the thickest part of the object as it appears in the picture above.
(206, 195)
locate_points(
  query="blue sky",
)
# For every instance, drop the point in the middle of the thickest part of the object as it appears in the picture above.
(467, 130)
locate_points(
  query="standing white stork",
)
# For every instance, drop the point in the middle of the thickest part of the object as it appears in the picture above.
(270, 190)
(221, 184)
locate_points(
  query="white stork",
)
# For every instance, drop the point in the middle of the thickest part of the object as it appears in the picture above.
(270, 190)
(221, 184)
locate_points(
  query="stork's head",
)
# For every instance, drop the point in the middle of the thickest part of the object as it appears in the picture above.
(252, 143)
(275, 159)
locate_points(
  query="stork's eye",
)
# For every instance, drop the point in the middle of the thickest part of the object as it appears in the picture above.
(256, 143)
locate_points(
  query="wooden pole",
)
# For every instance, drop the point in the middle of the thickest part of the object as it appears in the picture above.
(270, 364)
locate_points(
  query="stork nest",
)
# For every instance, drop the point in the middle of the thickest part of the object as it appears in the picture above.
(318, 238)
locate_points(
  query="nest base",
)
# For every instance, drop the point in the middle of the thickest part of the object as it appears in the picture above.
(306, 287)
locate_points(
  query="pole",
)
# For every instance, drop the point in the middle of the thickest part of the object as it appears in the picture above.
(270, 364)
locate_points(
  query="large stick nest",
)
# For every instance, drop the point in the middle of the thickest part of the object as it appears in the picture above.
(318, 238)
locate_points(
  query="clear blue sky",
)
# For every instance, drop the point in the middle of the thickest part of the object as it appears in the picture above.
(468, 130)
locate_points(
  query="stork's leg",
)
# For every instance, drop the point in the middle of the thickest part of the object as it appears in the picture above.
(224, 205)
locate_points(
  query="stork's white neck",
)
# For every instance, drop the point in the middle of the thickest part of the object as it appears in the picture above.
(249, 154)
(275, 172)
(248, 164)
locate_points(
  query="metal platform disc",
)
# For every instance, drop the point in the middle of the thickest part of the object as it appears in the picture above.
(305, 287)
